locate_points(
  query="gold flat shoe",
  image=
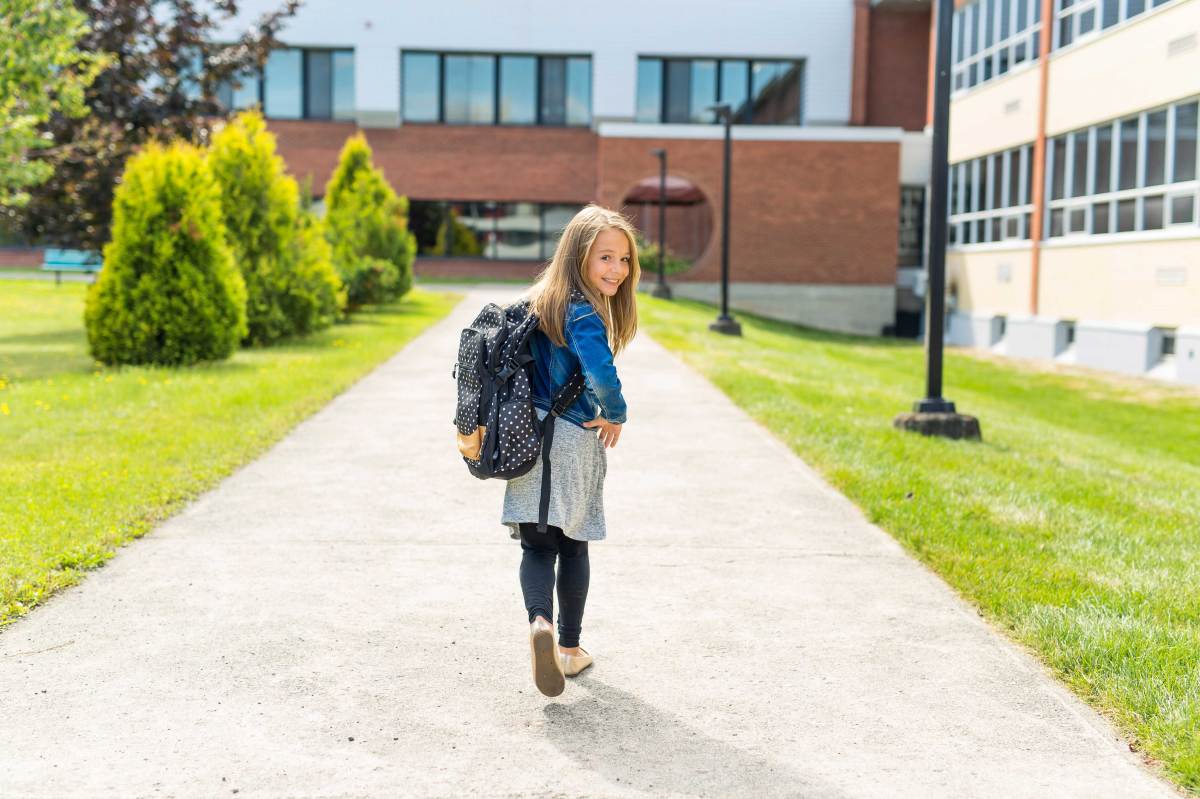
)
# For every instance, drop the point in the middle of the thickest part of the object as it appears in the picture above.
(573, 664)
(547, 669)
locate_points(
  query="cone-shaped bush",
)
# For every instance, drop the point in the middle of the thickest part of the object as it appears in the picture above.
(169, 292)
(289, 290)
(367, 226)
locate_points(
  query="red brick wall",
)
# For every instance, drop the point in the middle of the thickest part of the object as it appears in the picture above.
(454, 162)
(803, 212)
(898, 67)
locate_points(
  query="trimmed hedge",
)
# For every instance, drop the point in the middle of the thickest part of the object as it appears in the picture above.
(170, 292)
(292, 288)
(367, 226)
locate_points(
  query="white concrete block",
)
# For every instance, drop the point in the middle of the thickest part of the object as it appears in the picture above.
(1126, 347)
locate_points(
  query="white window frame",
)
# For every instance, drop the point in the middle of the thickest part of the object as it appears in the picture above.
(1019, 213)
(1006, 46)
(1168, 190)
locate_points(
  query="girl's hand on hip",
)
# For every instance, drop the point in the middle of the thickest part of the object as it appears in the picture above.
(609, 431)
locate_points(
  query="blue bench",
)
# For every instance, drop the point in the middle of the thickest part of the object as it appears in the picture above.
(59, 261)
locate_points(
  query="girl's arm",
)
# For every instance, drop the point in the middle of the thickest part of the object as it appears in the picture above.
(589, 340)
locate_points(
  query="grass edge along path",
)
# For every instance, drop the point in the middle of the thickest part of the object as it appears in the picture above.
(92, 457)
(1074, 527)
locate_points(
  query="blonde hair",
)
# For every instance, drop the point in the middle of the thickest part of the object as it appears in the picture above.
(567, 270)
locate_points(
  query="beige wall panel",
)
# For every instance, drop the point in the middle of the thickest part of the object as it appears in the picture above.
(1001, 113)
(1152, 60)
(1156, 282)
(990, 280)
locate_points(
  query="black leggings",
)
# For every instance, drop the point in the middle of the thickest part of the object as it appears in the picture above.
(538, 551)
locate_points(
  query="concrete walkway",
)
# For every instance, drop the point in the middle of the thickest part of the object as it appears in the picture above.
(343, 618)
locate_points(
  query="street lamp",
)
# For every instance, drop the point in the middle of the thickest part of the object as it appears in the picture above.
(725, 323)
(661, 289)
(935, 415)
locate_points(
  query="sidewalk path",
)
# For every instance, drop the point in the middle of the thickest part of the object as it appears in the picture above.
(343, 618)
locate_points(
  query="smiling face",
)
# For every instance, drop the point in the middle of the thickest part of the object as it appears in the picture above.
(608, 262)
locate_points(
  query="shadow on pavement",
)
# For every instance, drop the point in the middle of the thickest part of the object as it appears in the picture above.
(634, 744)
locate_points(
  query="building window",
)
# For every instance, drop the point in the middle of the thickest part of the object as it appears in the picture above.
(490, 89)
(297, 83)
(911, 246)
(1132, 174)
(991, 198)
(493, 230)
(682, 90)
(1076, 20)
(991, 37)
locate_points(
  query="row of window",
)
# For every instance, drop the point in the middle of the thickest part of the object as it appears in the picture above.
(991, 198)
(522, 89)
(509, 230)
(991, 37)
(1076, 19)
(1138, 173)
(489, 89)
(759, 92)
(297, 83)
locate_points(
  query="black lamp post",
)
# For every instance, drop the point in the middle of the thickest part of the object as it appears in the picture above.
(661, 289)
(935, 415)
(725, 323)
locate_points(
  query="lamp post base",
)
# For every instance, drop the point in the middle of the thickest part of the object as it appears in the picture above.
(727, 325)
(943, 424)
(661, 290)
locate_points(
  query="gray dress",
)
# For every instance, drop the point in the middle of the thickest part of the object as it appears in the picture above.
(578, 464)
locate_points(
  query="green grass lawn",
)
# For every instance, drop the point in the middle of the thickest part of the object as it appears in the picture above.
(1075, 525)
(91, 457)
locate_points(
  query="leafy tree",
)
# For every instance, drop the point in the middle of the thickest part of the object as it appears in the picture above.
(160, 84)
(41, 73)
(367, 225)
(291, 289)
(465, 241)
(169, 292)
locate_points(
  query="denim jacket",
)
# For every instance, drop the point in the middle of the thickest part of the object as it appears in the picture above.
(587, 346)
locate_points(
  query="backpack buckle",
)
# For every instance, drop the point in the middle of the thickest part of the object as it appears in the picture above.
(454, 371)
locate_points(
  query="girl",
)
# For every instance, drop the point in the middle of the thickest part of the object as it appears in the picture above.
(586, 305)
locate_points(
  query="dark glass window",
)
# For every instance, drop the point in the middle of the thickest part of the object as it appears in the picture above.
(243, 95)
(758, 92)
(775, 92)
(1103, 159)
(518, 89)
(554, 91)
(1185, 142)
(649, 89)
(470, 89)
(735, 88)
(318, 84)
(579, 91)
(1100, 213)
(518, 230)
(1156, 148)
(1129, 154)
(1079, 164)
(282, 98)
(678, 82)
(422, 79)
(343, 84)
(1059, 169)
(1152, 212)
(704, 91)
(1125, 215)
(486, 89)
(302, 84)
(526, 231)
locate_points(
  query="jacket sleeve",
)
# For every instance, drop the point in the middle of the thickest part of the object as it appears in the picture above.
(589, 341)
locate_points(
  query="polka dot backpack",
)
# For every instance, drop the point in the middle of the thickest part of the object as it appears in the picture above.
(498, 432)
